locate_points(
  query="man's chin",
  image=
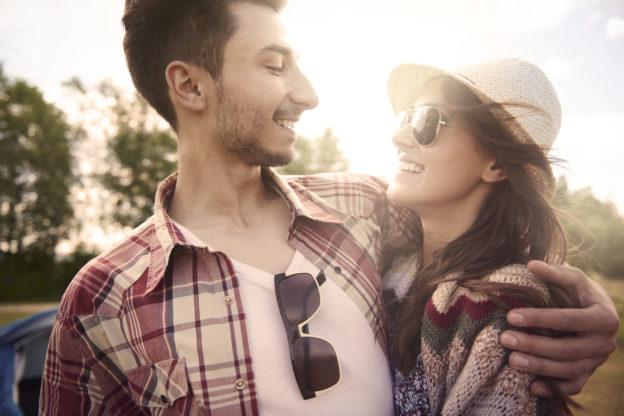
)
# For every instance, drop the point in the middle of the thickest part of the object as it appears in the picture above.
(272, 159)
(279, 159)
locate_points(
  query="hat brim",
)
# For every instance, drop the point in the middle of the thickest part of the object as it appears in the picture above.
(406, 81)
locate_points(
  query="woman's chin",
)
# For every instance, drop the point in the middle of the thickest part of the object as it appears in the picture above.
(403, 196)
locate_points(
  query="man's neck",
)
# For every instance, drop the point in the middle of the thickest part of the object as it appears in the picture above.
(219, 190)
(234, 210)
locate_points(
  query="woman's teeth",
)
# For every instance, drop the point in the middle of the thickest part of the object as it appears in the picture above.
(410, 167)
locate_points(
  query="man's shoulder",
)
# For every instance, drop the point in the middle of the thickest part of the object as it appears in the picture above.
(334, 182)
(350, 192)
(342, 193)
(99, 285)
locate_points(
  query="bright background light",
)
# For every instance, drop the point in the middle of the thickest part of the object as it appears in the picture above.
(348, 47)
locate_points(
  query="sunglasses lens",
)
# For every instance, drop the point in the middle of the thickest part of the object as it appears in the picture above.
(425, 125)
(299, 296)
(316, 364)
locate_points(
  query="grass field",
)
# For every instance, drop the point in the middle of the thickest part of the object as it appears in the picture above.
(11, 312)
(603, 394)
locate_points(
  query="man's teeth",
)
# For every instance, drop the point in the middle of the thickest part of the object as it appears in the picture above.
(286, 123)
(410, 167)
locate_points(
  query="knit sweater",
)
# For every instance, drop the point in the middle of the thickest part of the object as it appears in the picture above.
(463, 368)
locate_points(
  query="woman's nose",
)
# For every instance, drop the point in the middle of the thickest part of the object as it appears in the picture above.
(404, 137)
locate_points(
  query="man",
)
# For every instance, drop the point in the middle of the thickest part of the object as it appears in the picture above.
(187, 315)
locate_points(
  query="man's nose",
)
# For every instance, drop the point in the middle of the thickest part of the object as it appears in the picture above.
(302, 92)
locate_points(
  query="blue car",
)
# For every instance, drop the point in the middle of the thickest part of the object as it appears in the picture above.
(23, 346)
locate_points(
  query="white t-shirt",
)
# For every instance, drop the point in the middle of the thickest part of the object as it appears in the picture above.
(365, 387)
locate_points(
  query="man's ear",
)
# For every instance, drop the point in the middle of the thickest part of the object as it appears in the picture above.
(189, 86)
(494, 172)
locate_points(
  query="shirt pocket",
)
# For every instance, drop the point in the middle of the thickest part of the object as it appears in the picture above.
(159, 385)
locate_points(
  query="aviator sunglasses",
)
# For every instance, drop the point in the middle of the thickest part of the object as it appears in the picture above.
(313, 359)
(425, 123)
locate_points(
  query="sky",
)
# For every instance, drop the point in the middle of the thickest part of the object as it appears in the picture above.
(348, 48)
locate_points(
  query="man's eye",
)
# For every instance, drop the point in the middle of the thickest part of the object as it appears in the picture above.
(275, 68)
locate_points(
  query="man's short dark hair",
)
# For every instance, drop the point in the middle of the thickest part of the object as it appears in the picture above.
(161, 31)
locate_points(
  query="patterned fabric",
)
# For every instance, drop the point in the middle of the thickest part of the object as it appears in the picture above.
(411, 397)
(155, 325)
(464, 366)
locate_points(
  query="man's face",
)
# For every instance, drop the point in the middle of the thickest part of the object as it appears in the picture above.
(262, 92)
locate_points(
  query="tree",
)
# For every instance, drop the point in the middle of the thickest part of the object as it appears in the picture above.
(600, 239)
(35, 171)
(316, 155)
(141, 153)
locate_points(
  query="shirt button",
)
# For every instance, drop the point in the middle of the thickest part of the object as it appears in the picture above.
(337, 269)
(228, 300)
(240, 384)
(163, 398)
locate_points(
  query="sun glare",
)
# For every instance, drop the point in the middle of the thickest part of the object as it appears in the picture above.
(349, 47)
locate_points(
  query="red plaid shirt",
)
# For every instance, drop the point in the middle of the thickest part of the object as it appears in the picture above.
(155, 325)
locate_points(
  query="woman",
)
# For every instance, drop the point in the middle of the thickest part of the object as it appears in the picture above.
(472, 164)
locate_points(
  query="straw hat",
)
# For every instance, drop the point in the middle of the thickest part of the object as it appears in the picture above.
(503, 80)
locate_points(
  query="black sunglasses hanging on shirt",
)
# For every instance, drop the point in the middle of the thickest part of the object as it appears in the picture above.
(313, 359)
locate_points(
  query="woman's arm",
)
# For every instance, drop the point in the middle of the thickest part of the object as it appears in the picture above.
(467, 368)
(487, 385)
(571, 359)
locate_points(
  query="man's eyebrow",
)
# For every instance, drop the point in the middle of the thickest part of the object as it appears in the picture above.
(282, 50)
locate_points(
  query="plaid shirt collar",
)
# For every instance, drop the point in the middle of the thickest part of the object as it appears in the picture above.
(300, 202)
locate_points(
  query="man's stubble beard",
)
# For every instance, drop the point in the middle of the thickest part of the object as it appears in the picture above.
(238, 130)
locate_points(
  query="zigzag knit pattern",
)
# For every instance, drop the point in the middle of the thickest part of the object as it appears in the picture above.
(465, 366)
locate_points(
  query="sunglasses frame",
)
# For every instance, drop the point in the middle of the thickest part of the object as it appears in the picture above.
(411, 123)
(296, 332)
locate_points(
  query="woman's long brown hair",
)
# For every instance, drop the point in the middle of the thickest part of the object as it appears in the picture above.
(516, 223)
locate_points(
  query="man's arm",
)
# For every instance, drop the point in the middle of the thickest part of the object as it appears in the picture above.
(67, 386)
(571, 359)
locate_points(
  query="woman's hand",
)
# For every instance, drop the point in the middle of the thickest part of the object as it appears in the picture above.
(571, 359)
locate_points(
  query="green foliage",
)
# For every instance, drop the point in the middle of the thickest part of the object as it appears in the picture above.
(600, 240)
(141, 155)
(37, 276)
(316, 155)
(35, 171)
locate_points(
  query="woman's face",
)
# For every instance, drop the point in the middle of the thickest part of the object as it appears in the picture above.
(448, 175)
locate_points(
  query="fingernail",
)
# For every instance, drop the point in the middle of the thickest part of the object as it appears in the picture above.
(508, 340)
(539, 390)
(515, 318)
(519, 361)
